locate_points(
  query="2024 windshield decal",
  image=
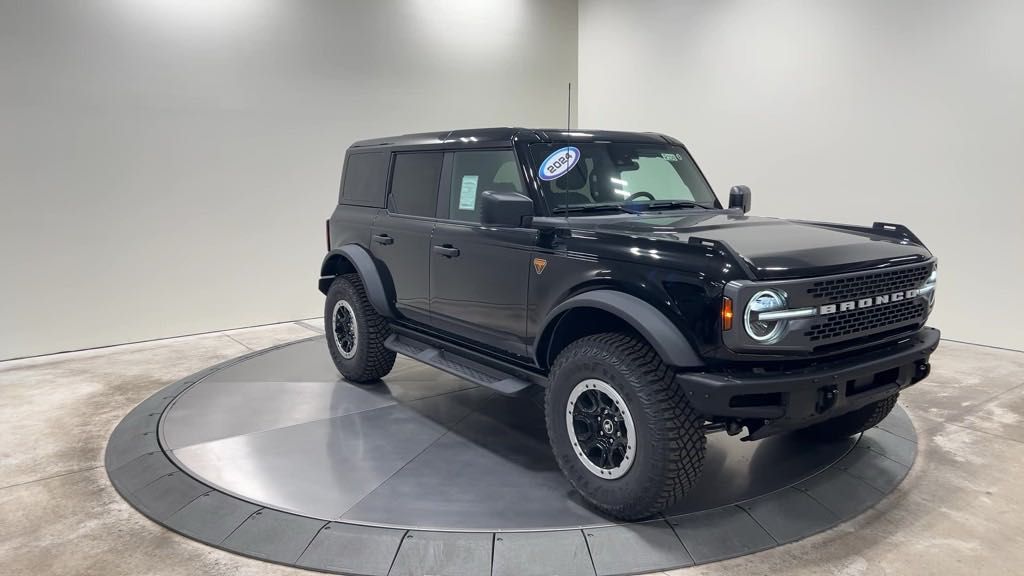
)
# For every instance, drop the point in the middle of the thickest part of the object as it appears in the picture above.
(558, 163)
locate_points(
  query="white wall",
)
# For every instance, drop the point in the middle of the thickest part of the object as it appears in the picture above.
(841, 110)
(166, 166)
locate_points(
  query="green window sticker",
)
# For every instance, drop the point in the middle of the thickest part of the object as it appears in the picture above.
(467, 193)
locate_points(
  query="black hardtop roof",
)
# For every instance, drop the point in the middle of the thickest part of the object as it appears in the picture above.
(505, 135)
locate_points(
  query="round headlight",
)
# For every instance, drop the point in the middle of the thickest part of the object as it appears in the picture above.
(764, 331)
(928, 289)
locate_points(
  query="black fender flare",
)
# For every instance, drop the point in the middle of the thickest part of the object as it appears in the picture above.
(666, 339)
(360, 261)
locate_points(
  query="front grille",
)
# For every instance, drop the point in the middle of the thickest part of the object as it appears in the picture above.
(849, 324)
(864, 285)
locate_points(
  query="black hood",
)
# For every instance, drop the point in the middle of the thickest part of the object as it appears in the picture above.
(772, 248)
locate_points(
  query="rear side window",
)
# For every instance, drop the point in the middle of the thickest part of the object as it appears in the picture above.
(414, 181)
(365, 175)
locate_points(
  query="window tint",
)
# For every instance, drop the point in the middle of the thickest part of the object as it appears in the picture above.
(655, 174)
(477, 171)
(617, 172)
(574, 187)
(414, 183)
(364, 179)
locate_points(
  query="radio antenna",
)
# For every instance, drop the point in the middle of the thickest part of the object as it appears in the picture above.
(568, 127)
(568, 111)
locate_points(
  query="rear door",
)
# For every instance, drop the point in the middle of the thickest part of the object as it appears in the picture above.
(478, 275)
(401, 234)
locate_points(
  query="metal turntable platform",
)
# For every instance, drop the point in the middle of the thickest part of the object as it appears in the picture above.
(274, 456)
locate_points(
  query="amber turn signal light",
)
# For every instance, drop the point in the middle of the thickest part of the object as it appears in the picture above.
(726, 313)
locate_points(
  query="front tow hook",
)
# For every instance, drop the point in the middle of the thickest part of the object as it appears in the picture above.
(827, 397)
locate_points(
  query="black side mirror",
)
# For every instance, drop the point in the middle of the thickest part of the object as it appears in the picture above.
(739, 197)
(505, 209)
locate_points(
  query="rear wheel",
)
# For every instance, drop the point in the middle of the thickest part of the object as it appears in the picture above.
(854, 422)
(356, 332)
(622, 432)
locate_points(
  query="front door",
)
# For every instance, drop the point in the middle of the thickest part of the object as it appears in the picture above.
(479, 276)
(401, 234)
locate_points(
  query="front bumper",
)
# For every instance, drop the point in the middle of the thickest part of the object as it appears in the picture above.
(770, 403)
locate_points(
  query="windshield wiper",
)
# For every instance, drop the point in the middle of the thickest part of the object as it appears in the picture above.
(595, 208)
(630, 207)
(662, 204)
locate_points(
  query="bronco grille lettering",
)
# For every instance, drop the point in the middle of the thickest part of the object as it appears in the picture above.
(867, 302)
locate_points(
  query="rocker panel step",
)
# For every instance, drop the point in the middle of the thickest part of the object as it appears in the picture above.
(450, 362)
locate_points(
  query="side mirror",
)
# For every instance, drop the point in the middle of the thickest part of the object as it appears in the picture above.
(739, 197)
(505, 209)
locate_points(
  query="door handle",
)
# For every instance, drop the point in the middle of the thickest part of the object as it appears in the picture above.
(447, 251)
(383, 239)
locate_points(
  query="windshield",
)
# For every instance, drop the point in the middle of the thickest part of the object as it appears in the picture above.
(618, 175)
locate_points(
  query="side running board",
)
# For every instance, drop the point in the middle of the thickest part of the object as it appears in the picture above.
(456, 365)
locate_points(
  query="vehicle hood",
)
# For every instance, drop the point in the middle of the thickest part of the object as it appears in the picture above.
(772, 248)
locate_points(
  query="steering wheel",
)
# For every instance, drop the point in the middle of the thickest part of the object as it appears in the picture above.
(635, 195)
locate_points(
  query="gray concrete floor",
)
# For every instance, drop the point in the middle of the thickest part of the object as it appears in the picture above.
(960, 511)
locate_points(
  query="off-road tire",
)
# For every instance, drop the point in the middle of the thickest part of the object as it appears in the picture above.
(670, 442)
(852, 423)
(371, 360)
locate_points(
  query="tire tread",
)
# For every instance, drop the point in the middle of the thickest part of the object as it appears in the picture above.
(675, 426)
(377, 361)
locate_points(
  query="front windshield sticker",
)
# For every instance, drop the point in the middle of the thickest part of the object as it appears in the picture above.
(467, 193)
(558, 163)
(671, 156)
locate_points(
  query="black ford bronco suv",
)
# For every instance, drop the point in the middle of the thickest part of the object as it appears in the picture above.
(601, 266)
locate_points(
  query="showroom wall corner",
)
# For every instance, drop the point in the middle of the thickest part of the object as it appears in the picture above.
(166, 167)
(908, 112)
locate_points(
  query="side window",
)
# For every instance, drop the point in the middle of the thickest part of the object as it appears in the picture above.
(414, 182)
(477, 171)
(364, 178)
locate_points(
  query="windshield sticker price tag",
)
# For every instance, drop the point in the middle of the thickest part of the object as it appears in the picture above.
(558, 163)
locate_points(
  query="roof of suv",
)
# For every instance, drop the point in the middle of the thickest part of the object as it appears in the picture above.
(505, 135)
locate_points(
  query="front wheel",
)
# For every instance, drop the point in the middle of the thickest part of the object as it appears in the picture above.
(621, 430)
(356, 332)
(854, 422)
